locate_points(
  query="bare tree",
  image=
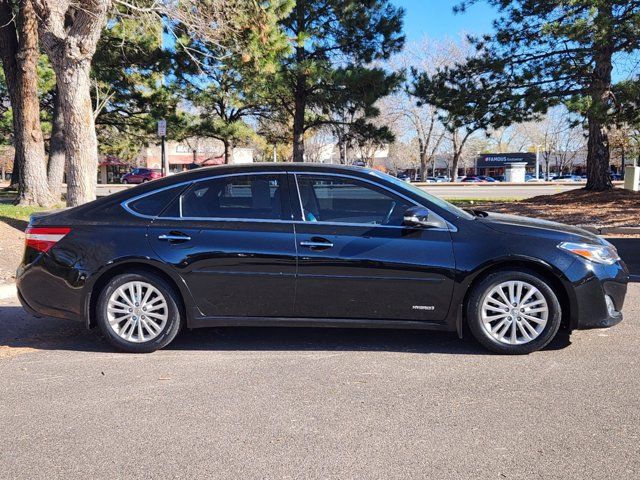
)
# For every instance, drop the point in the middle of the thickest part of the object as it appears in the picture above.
(422, 120)
(559, 140)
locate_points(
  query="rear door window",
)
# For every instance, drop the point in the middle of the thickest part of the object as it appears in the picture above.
(258, 197)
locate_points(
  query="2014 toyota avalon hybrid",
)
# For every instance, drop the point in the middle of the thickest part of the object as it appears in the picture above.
(305, 245)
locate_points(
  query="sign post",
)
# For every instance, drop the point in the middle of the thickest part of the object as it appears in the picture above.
(162, 133)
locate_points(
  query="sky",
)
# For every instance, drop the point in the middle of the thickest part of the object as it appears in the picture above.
(435, 19)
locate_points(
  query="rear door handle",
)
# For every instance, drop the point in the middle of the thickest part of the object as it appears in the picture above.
(174, 237)
(317, 243)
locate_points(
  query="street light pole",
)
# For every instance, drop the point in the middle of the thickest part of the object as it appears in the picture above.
(537, 162)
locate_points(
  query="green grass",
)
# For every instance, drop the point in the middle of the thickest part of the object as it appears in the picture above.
(16, 216)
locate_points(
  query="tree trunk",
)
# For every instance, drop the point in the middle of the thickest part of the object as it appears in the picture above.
(81, 144)
(16, 172)
(598, 150)
(227, 152)
(33, 188)
(598, 176)
(454, 166)
(55, 169)
(298, 128)
(423, 159)
(19, 51)
(69, 31)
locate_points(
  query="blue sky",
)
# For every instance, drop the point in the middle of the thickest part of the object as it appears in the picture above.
(435, 18)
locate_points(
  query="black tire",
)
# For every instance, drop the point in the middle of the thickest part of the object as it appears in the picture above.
(168, 333)
(474, 312)
(145, 180)
(124, 182)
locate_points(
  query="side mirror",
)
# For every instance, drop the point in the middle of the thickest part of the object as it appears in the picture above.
(418, 217)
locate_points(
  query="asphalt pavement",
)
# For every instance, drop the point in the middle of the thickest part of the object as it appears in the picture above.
(310, 403)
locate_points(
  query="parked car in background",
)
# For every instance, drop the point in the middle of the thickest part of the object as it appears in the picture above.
(279, 245)
(430, 180)
(615, 177)
(568, 178)
(472, 179)
(141, 175)
(442, 179)
(484, 178)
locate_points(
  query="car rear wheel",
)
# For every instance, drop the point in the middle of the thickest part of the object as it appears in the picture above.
(138, 312)
(514, 312)
(125, 181)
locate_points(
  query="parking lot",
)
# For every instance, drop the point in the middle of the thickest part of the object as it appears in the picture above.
(305, 403)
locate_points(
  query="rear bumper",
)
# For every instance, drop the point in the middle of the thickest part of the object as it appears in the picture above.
(44, 291)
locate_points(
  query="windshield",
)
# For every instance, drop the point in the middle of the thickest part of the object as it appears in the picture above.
(458, 212)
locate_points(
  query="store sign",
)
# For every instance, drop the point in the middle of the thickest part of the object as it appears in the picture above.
(488, 160)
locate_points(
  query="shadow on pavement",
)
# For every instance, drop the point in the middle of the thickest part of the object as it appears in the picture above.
(15, 223)
(18, 329)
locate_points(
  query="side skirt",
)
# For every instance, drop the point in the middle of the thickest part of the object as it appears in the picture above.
(314, 322)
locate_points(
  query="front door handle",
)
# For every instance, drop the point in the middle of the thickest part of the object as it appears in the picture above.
(174, 237)
(317, 244)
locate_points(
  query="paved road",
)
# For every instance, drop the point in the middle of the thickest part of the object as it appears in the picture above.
(303, 403)
(498, 191)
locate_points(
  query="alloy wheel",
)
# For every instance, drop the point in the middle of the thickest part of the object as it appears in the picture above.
(137, 312)
(514, 312)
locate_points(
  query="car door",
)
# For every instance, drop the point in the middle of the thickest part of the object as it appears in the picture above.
(231, 239)
(356, 260)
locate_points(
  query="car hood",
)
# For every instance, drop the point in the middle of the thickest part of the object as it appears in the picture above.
(512, 224)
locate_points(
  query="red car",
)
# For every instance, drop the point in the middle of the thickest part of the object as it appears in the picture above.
(141, 175)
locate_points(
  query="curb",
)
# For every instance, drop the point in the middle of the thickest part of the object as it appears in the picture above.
(8, 291)
(611, 230)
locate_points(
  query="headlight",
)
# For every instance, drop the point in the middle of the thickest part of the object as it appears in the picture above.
(606, 254)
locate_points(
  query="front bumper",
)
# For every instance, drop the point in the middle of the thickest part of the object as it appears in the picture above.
(589, 307)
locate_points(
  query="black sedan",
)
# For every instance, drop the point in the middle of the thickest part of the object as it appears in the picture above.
(322, 246)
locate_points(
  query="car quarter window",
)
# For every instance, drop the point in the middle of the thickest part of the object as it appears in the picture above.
(335, 199)
(156, 203)
(235, 197)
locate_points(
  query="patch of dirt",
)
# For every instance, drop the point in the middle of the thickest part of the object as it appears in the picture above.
(615, 208)
(11, 249)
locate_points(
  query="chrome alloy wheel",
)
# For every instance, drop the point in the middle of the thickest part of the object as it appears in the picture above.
(515, 312)
(137, 312)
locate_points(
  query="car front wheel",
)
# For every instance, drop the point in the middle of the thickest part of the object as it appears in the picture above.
(138, 312)
(514, 312)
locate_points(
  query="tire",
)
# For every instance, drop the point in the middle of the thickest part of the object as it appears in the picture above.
(145, 180)
(124, 182)
(138, 327)
(534, 326)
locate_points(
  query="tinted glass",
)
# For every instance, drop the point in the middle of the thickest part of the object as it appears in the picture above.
(246, 197)
(343, 200)
(424, 195)
(154, 204)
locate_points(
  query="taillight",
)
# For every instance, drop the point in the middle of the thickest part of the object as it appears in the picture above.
(44, 238)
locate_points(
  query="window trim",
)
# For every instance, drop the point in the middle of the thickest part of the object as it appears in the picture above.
(189, 183)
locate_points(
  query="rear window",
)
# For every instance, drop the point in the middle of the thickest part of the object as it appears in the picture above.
(154, 204)
(237, 197)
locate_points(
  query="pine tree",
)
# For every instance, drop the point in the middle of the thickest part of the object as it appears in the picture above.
(332, 41)
(543, 53)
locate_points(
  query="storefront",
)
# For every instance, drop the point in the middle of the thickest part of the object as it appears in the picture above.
(494, 164)
(111, 169)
